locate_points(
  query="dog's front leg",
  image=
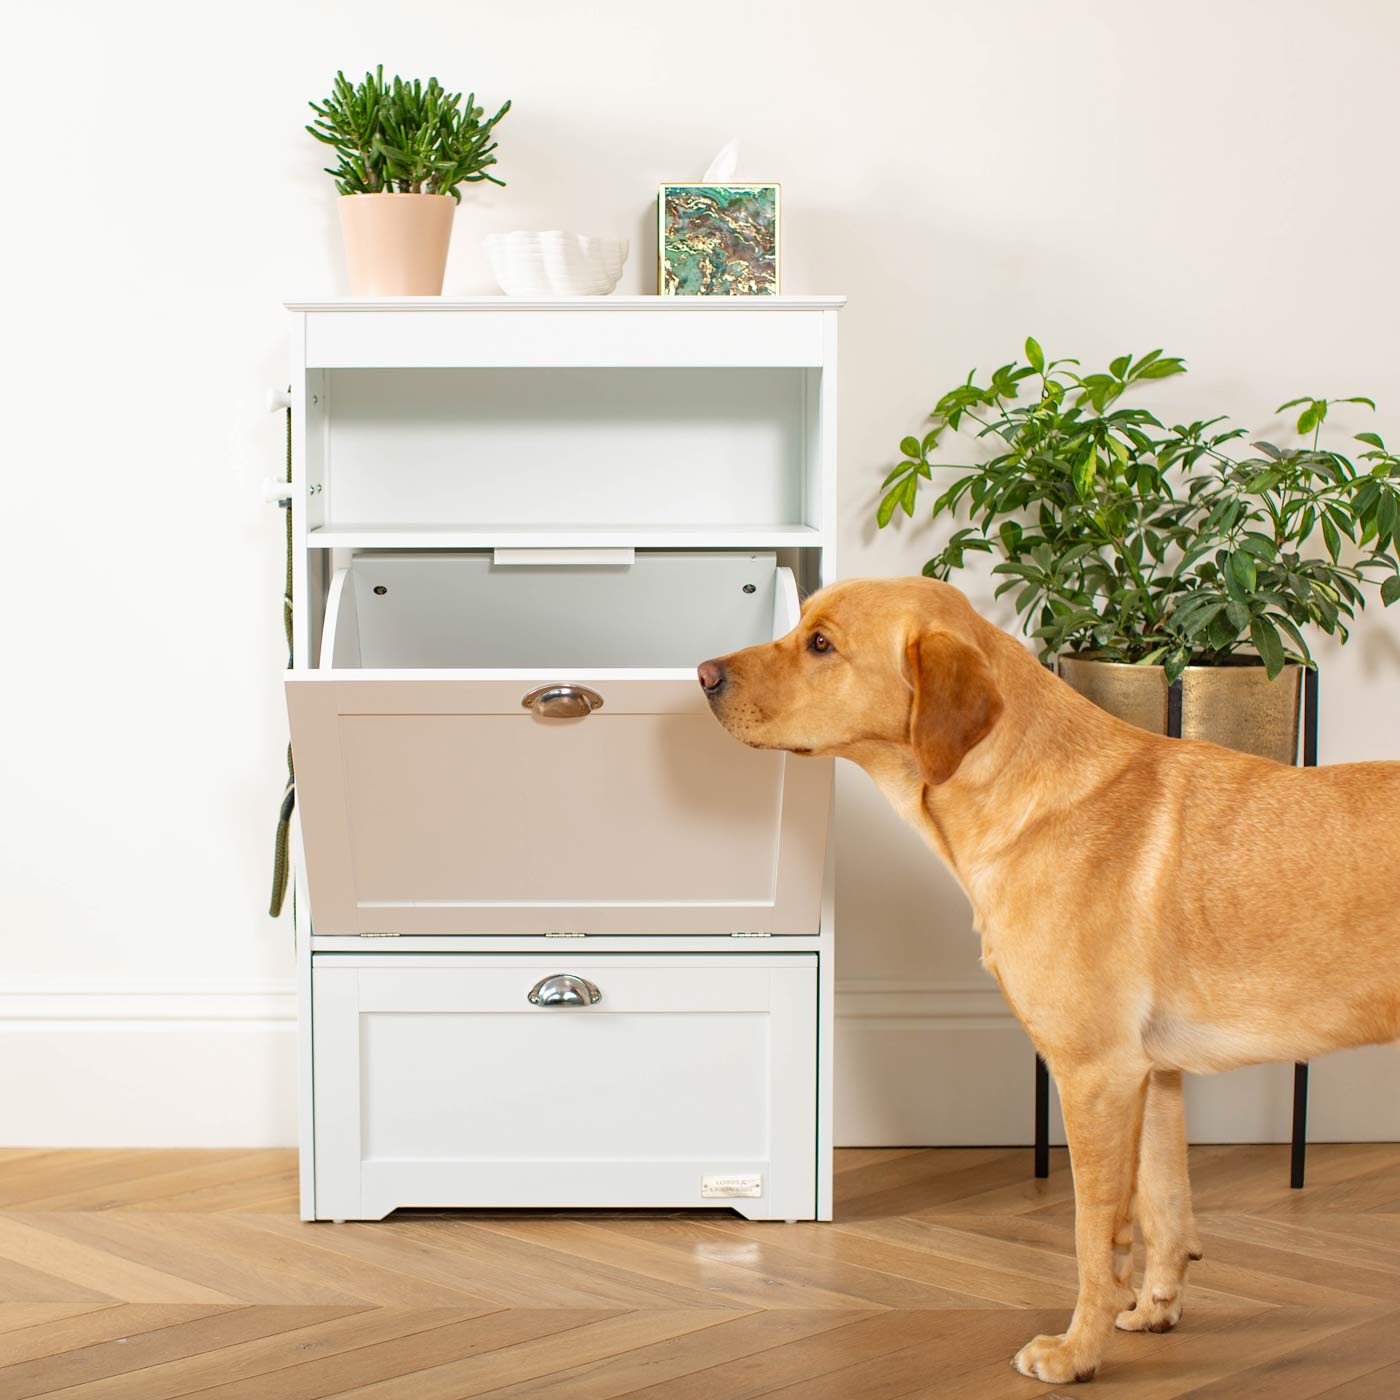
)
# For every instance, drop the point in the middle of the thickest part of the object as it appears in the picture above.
(1103, 1107)
(1163, 1208)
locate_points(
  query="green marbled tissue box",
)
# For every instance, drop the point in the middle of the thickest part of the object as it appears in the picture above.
(717, 240)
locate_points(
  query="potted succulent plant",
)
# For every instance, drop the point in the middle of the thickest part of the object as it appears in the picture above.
(1139, 553)
(405, 148)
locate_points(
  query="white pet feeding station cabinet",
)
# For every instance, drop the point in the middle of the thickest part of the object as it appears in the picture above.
(562, 941)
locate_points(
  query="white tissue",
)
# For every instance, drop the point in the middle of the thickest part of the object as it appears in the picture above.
(720, 170)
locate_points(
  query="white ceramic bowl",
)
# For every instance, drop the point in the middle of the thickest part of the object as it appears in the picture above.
(554, 263)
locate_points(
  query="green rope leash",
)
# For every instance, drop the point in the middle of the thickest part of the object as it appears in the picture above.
(281, 854)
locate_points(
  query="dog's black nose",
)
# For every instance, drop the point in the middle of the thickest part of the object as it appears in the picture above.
(712, 676)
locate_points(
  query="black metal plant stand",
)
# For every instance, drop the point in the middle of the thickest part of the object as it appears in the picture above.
(1298, 1157)
(1042, 1118)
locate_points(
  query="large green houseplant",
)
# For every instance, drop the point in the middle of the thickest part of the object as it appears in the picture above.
(1176, 549)
(405, 149)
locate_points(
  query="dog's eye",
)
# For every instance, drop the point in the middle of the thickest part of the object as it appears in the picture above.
(819, 643)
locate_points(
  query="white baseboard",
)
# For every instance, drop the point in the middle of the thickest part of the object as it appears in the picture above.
(120, 1064)
(946, 1064)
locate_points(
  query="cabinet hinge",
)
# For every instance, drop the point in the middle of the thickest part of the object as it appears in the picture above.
(379, 935)
(751, 935)
(565, 933)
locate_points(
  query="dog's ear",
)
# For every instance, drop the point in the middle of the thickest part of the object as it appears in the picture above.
(956, 702)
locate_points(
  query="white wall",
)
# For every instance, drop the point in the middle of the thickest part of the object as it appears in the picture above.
(1214, 178)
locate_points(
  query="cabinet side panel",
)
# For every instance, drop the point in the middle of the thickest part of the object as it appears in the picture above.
(793, 1093)
(336, 1031)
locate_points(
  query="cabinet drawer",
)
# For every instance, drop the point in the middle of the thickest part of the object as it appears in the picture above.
(438, 1082)
(434, 801)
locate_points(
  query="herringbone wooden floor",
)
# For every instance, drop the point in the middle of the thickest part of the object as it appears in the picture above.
(147, 1275)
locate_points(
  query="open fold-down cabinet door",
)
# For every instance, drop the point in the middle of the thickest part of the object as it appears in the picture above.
(441, 794)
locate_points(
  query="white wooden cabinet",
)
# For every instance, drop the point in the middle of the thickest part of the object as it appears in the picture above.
(519, 526)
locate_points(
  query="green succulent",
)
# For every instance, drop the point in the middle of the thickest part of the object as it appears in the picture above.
(404, 137)
(1144, 543)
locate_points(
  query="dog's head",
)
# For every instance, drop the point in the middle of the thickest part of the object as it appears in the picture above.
(871, 661)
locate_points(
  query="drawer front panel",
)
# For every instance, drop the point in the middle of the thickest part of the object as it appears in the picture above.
(443, 1085)
(541, 339)
(547, 1100)
(440, 805)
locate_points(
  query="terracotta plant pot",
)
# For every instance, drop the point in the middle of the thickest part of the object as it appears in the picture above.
(396, 244)
(1236, 706)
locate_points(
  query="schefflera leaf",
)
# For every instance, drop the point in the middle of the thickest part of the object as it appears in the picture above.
(1150, 541)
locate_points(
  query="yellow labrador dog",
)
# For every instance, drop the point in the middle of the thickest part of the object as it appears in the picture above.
(1148, 905)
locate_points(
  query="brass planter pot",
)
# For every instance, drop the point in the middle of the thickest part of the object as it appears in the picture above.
(1236, 706)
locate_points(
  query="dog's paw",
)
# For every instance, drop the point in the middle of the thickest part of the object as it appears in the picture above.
(1156, 1310)
(1053, 1359)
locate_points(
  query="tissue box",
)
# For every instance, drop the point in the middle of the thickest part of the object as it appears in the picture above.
(717, 240)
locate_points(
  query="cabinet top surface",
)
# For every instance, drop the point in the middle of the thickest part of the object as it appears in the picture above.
(604, 303)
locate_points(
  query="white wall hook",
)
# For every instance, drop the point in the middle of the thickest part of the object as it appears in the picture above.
(275, 492)
(278, 400)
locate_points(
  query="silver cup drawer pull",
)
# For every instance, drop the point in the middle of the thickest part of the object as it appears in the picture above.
(564, 989)
(563, 701)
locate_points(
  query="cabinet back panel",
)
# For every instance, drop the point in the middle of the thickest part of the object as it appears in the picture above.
(566, 446)
(666, 609)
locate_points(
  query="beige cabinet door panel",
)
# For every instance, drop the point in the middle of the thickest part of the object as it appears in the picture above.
(435, 803)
